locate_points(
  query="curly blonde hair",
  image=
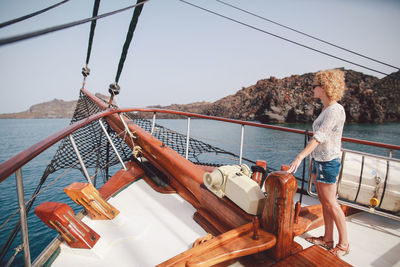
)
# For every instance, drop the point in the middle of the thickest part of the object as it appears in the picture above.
(332, 81)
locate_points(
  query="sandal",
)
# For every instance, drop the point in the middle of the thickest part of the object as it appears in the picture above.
(340, 250)
(320, 242)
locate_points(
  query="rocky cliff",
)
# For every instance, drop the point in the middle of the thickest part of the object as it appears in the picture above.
(272, 100)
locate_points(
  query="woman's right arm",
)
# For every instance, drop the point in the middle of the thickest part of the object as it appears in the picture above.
(306, 151)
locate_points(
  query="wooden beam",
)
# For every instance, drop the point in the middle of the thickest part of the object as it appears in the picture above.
(313, 256)
(310, 217)
(230, 245)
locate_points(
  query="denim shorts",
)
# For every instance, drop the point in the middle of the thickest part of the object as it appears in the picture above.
(326, 171)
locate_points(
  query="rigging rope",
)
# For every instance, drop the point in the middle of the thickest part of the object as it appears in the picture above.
(129, 36)
(86, 70)
(308, 35)
(10, 22)
(92, 28)
(280, 37)
(29, 35)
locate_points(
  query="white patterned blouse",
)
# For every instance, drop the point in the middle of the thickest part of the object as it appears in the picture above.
(328, 129)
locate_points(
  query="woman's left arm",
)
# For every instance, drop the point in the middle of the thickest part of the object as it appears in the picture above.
(306, 151)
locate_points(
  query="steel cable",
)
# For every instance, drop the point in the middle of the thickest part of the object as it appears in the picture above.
(29, 35)
(10, 22)
(280, 37)
(308, 35)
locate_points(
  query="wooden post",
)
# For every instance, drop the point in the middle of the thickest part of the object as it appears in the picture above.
(278, 213)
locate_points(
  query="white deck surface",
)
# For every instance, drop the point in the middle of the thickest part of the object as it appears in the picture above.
(153, 227)
(374, 240)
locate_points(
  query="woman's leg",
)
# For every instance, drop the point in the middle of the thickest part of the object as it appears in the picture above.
(328, 220)
(327, 192)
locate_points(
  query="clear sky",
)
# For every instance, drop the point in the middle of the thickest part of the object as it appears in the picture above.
(181, 54)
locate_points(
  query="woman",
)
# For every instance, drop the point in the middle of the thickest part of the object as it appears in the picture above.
(325, 150)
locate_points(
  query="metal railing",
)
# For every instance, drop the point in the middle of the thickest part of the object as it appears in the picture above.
(22, 213)
(390, 147)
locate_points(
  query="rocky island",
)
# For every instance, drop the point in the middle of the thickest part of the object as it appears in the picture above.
(367, 99)
(54, 109)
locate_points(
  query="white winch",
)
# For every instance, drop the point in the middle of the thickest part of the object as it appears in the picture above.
(234, 182)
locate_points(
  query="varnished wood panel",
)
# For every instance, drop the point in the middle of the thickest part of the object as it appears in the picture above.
(312, 256)
(121, 179)
(209, 222)
(160, 189)
(278, 213)
(223, 210)
(310, 217)
(230, 245)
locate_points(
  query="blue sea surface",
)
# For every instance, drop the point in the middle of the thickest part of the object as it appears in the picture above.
(273, 146)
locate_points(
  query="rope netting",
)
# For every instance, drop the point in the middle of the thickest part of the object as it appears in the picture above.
(91, 141)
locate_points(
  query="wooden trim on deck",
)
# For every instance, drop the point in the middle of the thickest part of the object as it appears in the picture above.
(310, 217)
(121, 179)
(230, 245)
(312, 256)
(163, 190)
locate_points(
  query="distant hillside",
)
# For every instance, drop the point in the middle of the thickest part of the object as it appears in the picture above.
(366, 100)
(56, 108)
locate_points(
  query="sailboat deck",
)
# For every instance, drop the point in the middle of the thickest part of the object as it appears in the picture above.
(153, 227)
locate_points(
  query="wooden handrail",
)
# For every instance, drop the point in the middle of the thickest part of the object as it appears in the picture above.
(11, 165)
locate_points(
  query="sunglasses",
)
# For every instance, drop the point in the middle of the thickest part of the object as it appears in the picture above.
(316, 85)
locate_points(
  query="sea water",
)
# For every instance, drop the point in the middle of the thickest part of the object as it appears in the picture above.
(275, 147)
